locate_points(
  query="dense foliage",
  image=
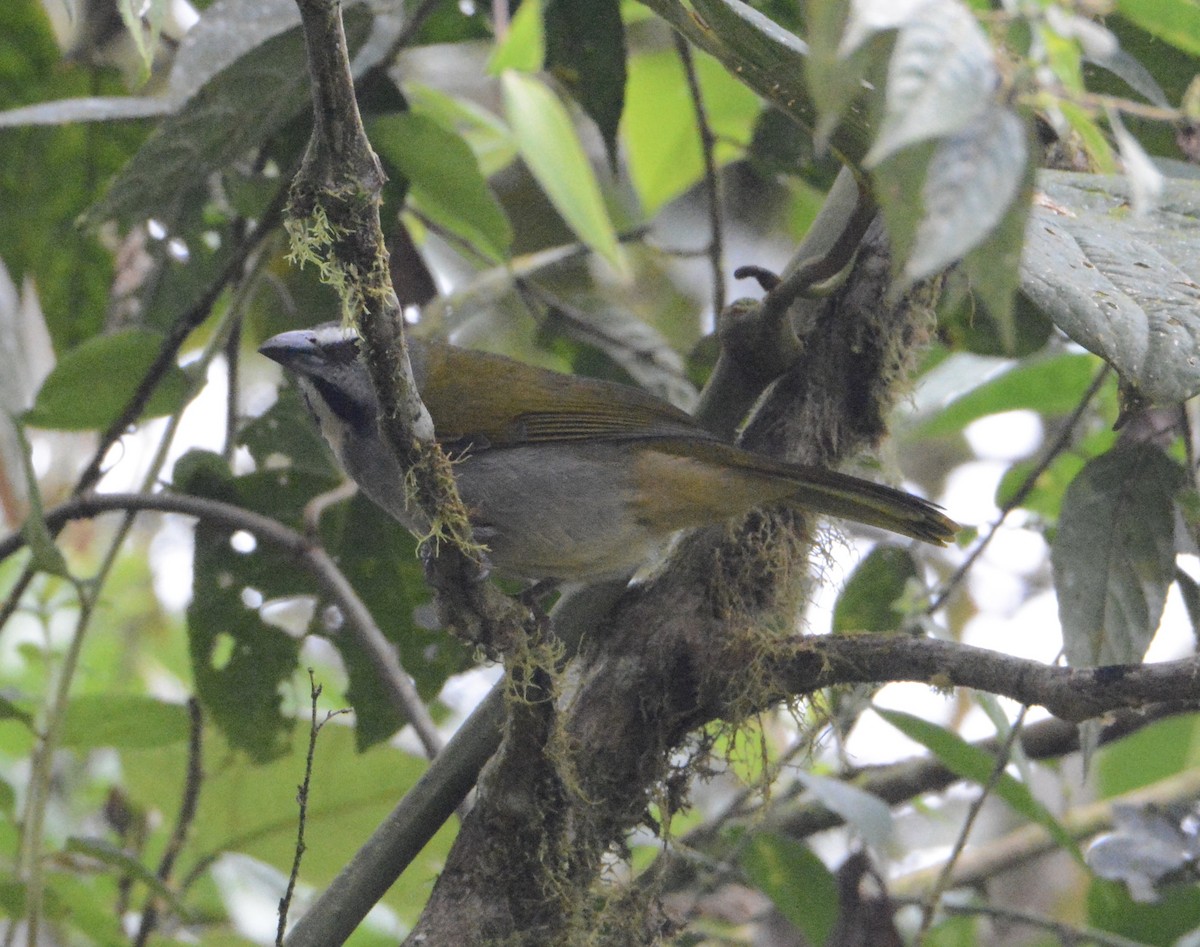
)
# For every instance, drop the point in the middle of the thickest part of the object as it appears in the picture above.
(574, 183)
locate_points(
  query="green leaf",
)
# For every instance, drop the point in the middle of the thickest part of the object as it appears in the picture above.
(1051, 486)
(796, 881)
(971, 762)
(992, 271)
(445, 180)
(1051, 386)
(238, 661)
(145, 41)
(764, 56)
(250, 808)
(662, 144)
(1124, 286)
(12, 898)
(123, 721)
(10, 710)
(92, 383)
(264, 88)
(552, 151)
(973, 178)
(1153, 754)
(940, 79)
(486, 135)
(377, 555)
(585, 51)
(1114, 554)
(1167, 921)
(48, 175)
(868, 602)
(1175, 21)
(380, 558)
(524, 45)
(834, 68)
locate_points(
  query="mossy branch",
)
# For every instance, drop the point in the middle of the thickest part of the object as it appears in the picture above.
(334, 223)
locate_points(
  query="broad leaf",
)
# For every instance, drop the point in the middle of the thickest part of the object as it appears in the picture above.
(661, 142)
(1051, 385)
(444, 180)
(796, 881)
(552, 151)
(92, 383)
(585, 51)
(868, 602)
(972, 180)
(971, 762)
(1114, 554)
(123, 721)
(941, 78)
(234, 111)
(865, 812)
(1126, 287)
(1175, 21)
(524, 45)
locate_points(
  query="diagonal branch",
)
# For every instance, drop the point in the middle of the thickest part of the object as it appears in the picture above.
(396, 682)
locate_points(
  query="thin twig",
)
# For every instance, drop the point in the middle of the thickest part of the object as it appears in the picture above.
(712, 182)
(187, 814)
(1066, 933)
(30, 853)
(1060, 444)
(302, 801)
(934, 898)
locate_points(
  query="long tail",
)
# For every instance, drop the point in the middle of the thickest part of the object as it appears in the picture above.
(740, 481)
(827, 491)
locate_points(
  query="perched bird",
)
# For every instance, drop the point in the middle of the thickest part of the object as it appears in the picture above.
(564, 477)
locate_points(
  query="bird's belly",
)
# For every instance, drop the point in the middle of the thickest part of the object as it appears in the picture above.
(552, 511)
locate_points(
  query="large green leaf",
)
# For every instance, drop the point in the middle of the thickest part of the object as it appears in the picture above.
(235, 110)
(123, 720)
(877, 584)
(796, 881)
(93, 382)
(941, 76)
(972, 180)
(238, 661)
(1122, 285)
(1176, 21)
(864, 812)
(1114, 554)
(764, 56)
(971, 762)
(250, 807)
(1051, 385)
(551, 149)
(662, 144)
(585, 51)
(444, 179)
(49, 175)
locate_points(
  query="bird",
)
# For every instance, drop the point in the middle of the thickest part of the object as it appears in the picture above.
(566, 478)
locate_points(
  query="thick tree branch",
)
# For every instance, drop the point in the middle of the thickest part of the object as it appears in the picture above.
(1073, 694)
(680, 651)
